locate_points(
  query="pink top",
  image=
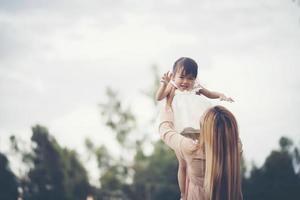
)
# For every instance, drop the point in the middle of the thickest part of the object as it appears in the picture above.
(189, 151)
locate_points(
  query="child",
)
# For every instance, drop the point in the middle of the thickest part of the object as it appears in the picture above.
(188, 104)
(187, 107)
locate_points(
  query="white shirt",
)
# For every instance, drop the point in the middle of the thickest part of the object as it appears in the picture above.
(188, 108)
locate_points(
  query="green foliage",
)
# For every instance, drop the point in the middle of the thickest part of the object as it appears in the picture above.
(119, 119)
(156, 175)
(8, 181)
(152, 91)
(277, 178)
(46, 178)
(76, 179)
(103, 157)
(56, 172)
(285, 143)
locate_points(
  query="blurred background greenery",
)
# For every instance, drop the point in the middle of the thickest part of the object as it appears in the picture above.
(55, 172)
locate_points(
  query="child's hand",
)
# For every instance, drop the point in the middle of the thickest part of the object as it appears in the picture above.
(166, 77)
(224, 98)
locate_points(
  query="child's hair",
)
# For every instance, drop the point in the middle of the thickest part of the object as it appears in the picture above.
(188, 65)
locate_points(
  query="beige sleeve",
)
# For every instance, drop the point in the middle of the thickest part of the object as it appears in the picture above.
(168, 134)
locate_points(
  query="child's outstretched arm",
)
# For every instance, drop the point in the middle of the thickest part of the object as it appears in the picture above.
(164, 87)
(214, 95)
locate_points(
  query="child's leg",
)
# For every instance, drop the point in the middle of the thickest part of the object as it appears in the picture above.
(181, 174)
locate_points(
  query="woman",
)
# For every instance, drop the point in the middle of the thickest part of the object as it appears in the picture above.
(212, 161)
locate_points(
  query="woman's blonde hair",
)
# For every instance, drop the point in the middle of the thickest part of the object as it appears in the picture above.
(219, 137)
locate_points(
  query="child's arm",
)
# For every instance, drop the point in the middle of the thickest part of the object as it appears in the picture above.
(214, 95)
(164, 87)
(163, 91)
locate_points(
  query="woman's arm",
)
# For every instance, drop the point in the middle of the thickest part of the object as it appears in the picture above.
(166, 126)
(167, 131)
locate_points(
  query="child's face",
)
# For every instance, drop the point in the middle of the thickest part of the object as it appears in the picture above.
(184, 82)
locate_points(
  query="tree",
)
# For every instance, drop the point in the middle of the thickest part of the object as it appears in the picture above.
(119, 119)
(8, 181)
(277, 178)
(46, 178)
(156, 175)
(56, 173)
(76, 178)
(115, 172)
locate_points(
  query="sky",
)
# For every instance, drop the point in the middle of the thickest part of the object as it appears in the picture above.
(58, 57)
